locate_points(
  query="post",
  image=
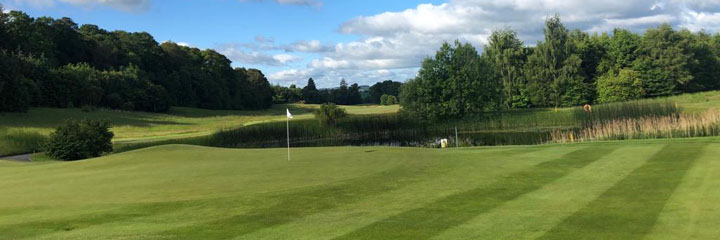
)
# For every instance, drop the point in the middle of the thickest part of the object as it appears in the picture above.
(457, 144)
(287, 121)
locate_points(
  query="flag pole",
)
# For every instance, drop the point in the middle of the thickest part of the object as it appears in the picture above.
(287, 121)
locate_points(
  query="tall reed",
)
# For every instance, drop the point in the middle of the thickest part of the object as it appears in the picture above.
(671, 126)
(626, 110)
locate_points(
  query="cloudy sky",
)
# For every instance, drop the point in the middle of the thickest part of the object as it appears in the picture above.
(363, 41)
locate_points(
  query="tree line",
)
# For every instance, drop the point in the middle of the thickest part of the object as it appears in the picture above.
(567, 68)
(342, 95)
(56, 63)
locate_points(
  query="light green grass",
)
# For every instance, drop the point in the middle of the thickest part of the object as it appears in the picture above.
(19, 132)
(659, 189)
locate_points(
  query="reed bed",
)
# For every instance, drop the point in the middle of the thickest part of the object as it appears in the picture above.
(679, 125)
(626, 110)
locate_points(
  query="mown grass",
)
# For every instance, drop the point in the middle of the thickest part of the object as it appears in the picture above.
(616, 190)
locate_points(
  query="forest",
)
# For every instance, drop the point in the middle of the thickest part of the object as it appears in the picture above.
(567, 68)
(56, 63)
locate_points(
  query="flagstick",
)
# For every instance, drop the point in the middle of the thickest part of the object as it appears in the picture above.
(288, 135)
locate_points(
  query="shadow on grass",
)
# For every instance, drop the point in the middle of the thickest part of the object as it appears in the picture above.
(631, 207)
(434, 218)
(290, 207)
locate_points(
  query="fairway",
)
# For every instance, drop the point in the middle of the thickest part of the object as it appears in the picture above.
(659, 189)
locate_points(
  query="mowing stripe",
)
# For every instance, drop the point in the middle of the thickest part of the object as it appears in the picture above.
(693, 211)
(629, 209)
(434, 218)
(475, 167)
(532, 214)
(292, 206)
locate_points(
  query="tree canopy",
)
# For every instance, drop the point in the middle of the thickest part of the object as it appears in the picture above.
(566, 68)
(56, 63)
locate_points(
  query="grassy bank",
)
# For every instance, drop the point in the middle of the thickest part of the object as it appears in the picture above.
(653, 189)
(19, 131)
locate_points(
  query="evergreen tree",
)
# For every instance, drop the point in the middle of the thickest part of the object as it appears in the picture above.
(505, 52)
(311, 94)
(554, 73)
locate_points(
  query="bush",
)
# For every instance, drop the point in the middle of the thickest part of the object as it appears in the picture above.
(386, 99)
(624, 86)
(329, 113)
(77, 140)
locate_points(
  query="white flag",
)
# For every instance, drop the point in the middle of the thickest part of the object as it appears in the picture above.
(288, 113)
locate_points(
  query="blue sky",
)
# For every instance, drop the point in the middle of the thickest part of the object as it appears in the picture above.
(363, 41)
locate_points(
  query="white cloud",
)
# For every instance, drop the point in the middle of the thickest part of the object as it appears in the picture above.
(393, 44)
(239, 54)
(311, 46)
(315, 3)
(286, 58)
(697, 21)
(311, 3)
(125, 5)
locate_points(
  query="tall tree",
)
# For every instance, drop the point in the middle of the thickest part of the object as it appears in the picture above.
(387, 87)
(311, 94)
(354, 97)
(554, 70)
(455, 83)
(505, 52)
(662, 61)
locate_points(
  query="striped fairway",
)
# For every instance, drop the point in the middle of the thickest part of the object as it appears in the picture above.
(619, 190)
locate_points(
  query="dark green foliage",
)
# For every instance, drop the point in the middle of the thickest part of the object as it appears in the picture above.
(329, 114)
(506, 55)
(626, 85)
(554, 73)
(55, 63)
(290, 94)
(311, 94)
(662, 62)
(388, 100)
(567, 68)
(77, 140)
(379, 89)
(455, 83)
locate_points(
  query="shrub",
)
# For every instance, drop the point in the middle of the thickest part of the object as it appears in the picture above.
(624, 86)
(77, 140)
(329, 113)
(386, 99)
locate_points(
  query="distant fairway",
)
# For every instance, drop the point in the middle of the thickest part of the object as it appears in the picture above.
(21, 132)
(660, 189)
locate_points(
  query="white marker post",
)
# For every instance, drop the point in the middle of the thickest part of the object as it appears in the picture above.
(289, 116)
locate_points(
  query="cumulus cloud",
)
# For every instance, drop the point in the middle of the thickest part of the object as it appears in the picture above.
(238, 53)
(311, 3)
(394, 43)
(125, 5)
(314, 3)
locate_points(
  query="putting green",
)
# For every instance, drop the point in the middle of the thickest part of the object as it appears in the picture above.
(656, 189)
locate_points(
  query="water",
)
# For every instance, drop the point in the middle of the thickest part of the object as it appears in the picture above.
(465, 139)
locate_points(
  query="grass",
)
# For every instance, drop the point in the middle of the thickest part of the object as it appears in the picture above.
(608, 190)
(23, 132)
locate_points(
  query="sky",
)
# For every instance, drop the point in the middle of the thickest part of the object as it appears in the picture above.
(361, 41)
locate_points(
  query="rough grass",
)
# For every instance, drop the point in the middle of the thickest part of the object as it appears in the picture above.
(609, 190)
(21, 132)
